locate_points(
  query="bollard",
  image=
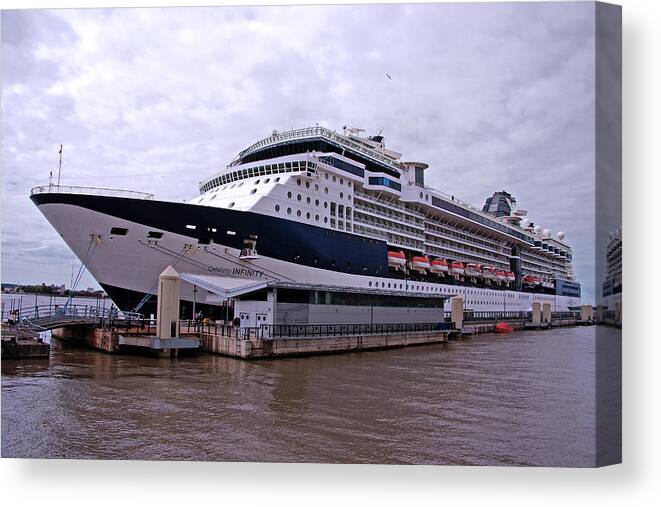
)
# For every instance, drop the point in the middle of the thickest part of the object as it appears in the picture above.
(457, 309)
(537, 313)
(546, 313)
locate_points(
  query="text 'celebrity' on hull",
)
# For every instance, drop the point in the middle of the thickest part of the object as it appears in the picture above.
(322, 209)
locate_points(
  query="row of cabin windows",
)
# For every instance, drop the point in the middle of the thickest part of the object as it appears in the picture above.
(262, 170)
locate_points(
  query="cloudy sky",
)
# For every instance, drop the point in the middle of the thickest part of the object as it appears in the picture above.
(493, 96)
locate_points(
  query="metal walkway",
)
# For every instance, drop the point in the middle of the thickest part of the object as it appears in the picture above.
(46, 317)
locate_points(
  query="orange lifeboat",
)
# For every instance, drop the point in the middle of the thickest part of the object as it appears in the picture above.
(510, 276)
(457, 268)
(504, 327)
(420, 263)
(396, 259)
(473, 269)
(439, 266)
(501, 276)
(489, 272)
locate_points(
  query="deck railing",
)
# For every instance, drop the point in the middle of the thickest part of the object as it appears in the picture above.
(71, 189)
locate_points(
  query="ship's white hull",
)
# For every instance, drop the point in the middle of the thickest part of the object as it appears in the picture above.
(133, 263)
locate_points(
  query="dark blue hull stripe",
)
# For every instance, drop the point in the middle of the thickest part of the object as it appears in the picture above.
(278, 238)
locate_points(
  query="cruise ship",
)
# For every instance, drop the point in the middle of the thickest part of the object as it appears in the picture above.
(318, 207)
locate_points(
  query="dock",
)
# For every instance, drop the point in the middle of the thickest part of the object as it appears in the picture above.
(19, 343)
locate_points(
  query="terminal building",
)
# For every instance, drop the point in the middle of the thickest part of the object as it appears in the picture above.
(258, 303)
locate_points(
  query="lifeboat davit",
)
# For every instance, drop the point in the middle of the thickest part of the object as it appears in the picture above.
(420, 263)
(504, 327)
(501, 276)
(457, 268)
(439, 266)
(473, 269)
(396, 259)
(510, 276)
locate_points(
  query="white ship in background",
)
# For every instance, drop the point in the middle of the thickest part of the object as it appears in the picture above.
(317, 207)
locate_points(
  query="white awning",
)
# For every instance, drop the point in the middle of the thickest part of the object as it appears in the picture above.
(223, 286)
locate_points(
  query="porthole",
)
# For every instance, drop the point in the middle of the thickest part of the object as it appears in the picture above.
(298, 181)
(289, 194)
(307, 215)
(298, 197)
(253, 191)
(341, 195)
(277, 179)
(341, 181)
(307, 184)
(298, 213)
(325, 190)
(370, 284)
(316, 217)
(326, 175)
(288, 211)
(325, 220)
(316, 202)
(325, 204)
(316, 187)
(277, 207)
(334, 179)
(256, 182)
(230, 205)
(266, 181)
(308, 200)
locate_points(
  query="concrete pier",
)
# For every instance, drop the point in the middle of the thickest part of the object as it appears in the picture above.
(285, 347)
(19, 344)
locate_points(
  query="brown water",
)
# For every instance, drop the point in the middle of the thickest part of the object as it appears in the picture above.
(522, 399)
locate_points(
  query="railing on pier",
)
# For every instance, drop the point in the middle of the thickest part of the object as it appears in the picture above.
(474, 316)
(45, 317)
(109, 192)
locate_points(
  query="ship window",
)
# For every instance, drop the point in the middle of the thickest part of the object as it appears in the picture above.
(154, 235)
(298, 197)
(298, 213)
(256, 182)
(316, 217)
(325, 220)
(277, 207)
(307, 184)
(341, 195)
(119, 231)
(253, 191)
(326, 175)
(325, 204)
(326, 190)
(277, 179)
(289, 194)
(231, 233)
(289, 211)
(230, 205)
(307, 215)
(266, 180)
(316, 202)
(316, 187)
(298, 181)
(192, 227)
(308, 199)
